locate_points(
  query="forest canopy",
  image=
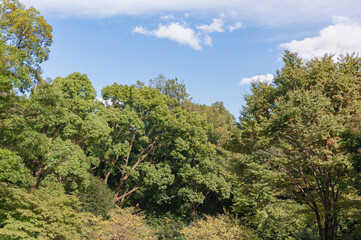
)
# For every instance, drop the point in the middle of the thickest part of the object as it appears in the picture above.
(146, 162)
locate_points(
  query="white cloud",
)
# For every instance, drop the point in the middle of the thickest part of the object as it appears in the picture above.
(270, 12)
(234, 27)
(268, 78)
(183, 34)
(141, 30)
(175, 32)
(344, 36)
(215, 26)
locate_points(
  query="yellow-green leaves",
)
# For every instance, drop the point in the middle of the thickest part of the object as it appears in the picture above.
(41, 215)
(28, 36)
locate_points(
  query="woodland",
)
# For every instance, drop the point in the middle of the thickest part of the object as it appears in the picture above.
(146, 162)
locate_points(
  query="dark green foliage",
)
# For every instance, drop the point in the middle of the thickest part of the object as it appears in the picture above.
(168, 228)
(97, 197)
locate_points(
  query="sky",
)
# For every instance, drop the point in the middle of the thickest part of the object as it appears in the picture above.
(216, 47)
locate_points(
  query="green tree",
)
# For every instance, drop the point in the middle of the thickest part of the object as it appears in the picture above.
(62, 159)
(172, 87)
(25, 41)
(158, 148)
(53, 128)
(300, 134)
(137, 117)
(201, 183)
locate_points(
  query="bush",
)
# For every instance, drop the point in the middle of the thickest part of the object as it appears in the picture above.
(168, 228)
(97, 197)
(123, 224)
(40, 215)
(283, 220)
(219, 227)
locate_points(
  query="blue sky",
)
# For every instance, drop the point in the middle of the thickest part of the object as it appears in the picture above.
(216, 47)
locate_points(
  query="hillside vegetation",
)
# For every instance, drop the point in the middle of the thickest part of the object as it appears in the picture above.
(146, 162)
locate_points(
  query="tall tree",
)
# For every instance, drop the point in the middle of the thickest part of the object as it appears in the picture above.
(137, 117)
(302, 134)
(25, 41)
(155, 146)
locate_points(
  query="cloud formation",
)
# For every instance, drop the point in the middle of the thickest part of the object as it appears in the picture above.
(175, 32)
(344, 36)
(268, 78)
(186, 35)
(235, 26)
(215, 26)
(271, 12)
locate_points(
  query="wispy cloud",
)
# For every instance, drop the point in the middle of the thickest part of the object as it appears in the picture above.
(271, 12)
(175, 32)
(141, 30)
(215, 26)
(186, 35)
(235, 26)
(268, 78)
(343, 36)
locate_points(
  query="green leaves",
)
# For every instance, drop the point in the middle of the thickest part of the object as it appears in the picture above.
(28, 37)
(13, 169)
(68, 162)
(76, 85)
(298, 126)
(41, 215)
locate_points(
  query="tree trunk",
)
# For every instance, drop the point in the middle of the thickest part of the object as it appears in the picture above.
(319, 225)
(37, 175)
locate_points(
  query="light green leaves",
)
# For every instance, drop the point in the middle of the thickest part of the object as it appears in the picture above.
(28, 37)
(13, 169)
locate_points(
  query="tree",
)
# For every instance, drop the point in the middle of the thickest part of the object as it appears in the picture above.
(137, 117)
(302, 138)
(25, 41)
(66, 108)
(24, 44)
(54, 128)
(171, 87)
(60, 159)
(155, 147)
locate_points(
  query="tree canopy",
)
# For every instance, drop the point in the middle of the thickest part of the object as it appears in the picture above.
(146, 162)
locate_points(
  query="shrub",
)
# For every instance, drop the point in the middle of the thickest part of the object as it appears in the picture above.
(219, 227)
(97, 197)
(123, 224)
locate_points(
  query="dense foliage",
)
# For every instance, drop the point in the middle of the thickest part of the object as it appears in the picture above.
(145, 162)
